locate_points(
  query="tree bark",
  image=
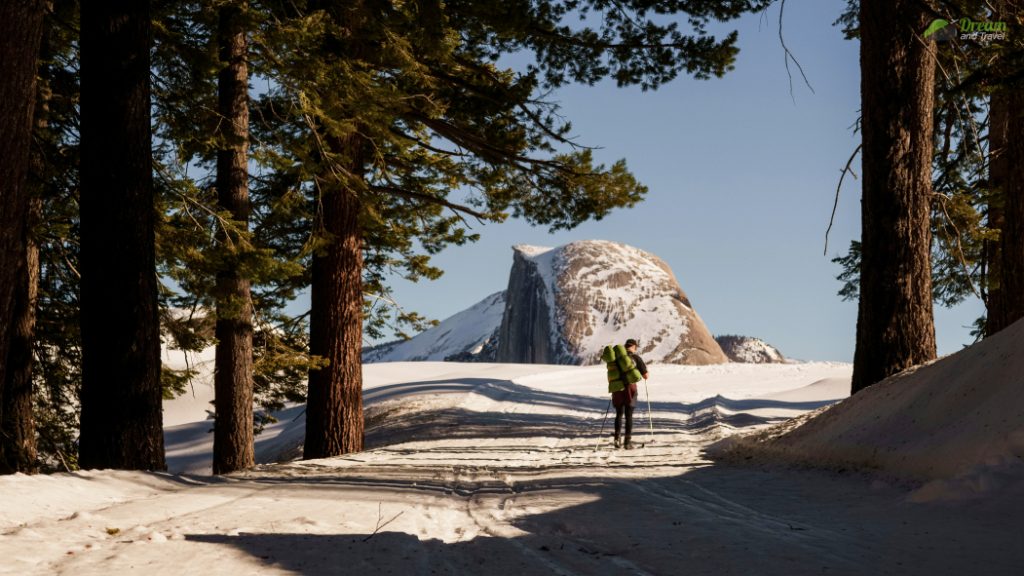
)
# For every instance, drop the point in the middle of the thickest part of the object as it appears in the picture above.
(18, 432)
(121, 420)
(21, 30)
(895, 326)
(233, 379)
(1006, 173)
(1012, 237)
(995, 304)
(334, 412)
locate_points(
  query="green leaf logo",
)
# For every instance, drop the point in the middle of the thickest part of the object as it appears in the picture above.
(935, 26)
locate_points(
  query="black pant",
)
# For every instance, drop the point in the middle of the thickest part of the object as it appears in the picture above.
(629, 420)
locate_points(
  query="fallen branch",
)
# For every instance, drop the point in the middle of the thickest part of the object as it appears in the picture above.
(379, 525)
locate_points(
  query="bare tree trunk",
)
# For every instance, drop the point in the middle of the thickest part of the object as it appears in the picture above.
(334, 413)
(1006, 171)
(1011, 238)
(21, 29)
(895, 326)
(121, 422)
(995, 304)
(18, 433)
(233, 380)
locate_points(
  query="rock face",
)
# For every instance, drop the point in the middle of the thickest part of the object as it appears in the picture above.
(565, 304)
(525, 334)
(748, 350)
(562, 306)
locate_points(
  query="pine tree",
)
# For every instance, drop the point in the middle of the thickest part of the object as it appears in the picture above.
(1010, 180)
(233, 376)
(227, 240)
(1005, 303)
(56, 358)
(971, 113)
(401, 125)
(121, 419)
(17, 425)
(21, 29)
(895, 327)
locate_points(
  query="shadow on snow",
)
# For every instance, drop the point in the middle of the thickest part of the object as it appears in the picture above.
(711, 520)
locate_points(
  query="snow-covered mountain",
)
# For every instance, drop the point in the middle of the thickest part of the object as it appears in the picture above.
(563, 305)
(466, 333)
(749, 350)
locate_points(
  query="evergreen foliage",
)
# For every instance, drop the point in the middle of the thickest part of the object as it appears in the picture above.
(448, 135)
(402, 123)
(56, 371)
(964, 199)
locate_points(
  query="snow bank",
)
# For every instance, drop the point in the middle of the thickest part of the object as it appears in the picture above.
(957, 423)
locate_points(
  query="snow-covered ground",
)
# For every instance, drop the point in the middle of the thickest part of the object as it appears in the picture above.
(506, 469)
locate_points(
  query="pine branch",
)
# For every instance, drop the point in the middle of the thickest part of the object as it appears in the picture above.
(788, 55)
(458, 208)
(533, 116)
(959, 244)
(426, 146)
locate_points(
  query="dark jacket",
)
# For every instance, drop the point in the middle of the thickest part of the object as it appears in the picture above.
(640, 365)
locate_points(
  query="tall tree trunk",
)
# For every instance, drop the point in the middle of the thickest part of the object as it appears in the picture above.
(18, 431)
(21, 29)
(895, 326)
(1006, 172)
(334, 412)
(233, 379)
(121, 421)
(995, 304)
(1012, 237)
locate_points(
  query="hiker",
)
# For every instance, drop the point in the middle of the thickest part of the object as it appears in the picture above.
(624, 400)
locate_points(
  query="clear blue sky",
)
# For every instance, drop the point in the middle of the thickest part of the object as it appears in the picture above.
(742, 182)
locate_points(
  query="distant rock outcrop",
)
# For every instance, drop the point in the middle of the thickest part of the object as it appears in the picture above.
(748, 350)
(567, 303)
(562, 306)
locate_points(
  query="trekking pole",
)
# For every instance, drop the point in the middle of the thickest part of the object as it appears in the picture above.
(650, 418)
(601, 433)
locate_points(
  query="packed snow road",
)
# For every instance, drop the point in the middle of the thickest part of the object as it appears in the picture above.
(505, 470)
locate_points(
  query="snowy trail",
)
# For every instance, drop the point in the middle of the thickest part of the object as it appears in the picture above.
(594, 515)
(505, 493)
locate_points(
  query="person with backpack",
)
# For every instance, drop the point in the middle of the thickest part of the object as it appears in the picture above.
(625, 369)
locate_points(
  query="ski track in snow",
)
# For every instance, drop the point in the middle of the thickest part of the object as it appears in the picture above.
(507, 492)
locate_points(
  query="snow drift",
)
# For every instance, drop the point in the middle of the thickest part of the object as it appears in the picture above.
(958, 420)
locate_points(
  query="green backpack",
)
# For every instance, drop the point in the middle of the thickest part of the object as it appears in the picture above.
(621, 369)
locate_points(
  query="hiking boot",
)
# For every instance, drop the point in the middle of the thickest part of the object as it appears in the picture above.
(617, 443)
(629, 445)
